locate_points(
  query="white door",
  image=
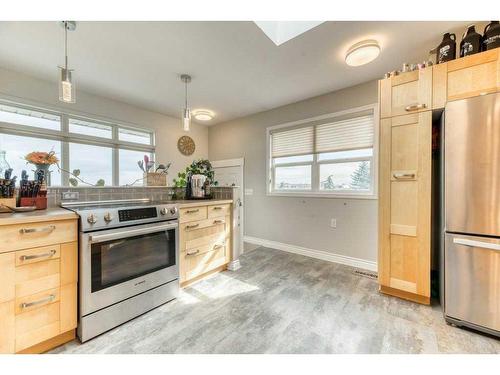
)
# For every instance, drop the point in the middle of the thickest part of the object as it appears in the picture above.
(230, 173)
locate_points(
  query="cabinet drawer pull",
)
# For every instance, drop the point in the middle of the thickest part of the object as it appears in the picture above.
(218, 221)
(217, 208)
(399, 176)
(48, 229)
(50, 298)
(193, 253)
(36, 256)
(216, 247)
(192, 226)
(415, 107)
(192, 211)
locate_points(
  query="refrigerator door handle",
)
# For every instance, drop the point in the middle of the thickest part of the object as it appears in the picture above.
(473, 243)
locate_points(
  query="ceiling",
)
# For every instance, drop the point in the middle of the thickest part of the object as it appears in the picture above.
(237, 70)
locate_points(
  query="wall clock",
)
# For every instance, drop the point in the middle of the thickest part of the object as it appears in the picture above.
(186, 145)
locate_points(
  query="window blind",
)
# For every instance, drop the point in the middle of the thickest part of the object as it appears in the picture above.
(350, 134)
(341, 135)
(292, 142)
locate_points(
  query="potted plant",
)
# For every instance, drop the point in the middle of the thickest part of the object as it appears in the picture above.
(42, 162)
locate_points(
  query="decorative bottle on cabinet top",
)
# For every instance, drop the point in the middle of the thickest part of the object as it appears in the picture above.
(471, 42)
(491, 37)
(447, 50)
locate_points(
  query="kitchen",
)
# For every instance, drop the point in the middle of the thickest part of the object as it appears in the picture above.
(355, 212)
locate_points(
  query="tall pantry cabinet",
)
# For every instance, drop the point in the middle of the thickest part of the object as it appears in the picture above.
(407, 102)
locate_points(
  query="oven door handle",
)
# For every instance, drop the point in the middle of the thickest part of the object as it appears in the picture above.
(131, 233)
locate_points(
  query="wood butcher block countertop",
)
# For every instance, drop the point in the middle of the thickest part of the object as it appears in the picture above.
(57, 213)
(201, 202)
(50, 214)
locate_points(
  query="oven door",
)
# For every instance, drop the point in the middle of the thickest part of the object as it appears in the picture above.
(120, 263)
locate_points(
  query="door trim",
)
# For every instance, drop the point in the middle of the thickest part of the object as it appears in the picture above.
(237, 162)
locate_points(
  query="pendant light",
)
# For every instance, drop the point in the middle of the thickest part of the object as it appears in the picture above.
(66, 84)
(186, 113)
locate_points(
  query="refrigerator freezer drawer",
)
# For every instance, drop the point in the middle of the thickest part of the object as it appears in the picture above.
(472, 165)
(472, 280)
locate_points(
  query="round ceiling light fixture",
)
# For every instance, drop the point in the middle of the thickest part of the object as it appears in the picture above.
(203, 115)
(362, 53)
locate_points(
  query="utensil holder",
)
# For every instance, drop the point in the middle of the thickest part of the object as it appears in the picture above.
(39, 202)
(155, 179)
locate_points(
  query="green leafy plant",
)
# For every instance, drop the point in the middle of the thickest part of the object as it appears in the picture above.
(100, 182)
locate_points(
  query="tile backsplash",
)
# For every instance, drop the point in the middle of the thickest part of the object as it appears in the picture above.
(54, 194)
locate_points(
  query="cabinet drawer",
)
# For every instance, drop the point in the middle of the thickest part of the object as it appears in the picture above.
(199, 264)
(25, 236)
(194, 226)
(37, 300)
(218, 210)
(38, 254)
(192, 213)
(37, 277)
(37, 318)
(37, 336)
(406, 93)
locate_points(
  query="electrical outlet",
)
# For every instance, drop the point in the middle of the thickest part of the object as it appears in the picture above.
(333, 223)
(70, 195)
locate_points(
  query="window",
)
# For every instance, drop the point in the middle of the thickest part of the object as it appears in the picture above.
(16, 147)
(104, 153)
(29, 117)
(95, 163)
(331, 155)
(129, 171)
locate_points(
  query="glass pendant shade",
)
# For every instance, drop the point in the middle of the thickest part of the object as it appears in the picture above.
(66, 86)
(186, 119)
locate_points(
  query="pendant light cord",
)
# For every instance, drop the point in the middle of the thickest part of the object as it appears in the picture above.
(66, 45)
(186, 96)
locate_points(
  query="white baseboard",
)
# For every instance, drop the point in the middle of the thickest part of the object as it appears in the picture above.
(318, 254)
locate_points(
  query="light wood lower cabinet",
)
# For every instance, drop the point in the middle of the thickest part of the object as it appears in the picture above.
(204, 241)
(405, 206)
(38, 294)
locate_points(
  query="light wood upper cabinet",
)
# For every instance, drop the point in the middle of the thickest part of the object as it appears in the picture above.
(474, 75)
(405, 205)
(409, 92)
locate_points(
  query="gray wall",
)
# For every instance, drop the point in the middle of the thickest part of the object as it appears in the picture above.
(296, 221)
(25, 89)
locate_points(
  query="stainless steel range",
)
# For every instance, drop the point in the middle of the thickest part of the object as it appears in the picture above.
(128, 254)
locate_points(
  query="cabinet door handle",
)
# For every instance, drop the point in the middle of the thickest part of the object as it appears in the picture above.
(192, 226)
(192, 211)
(218, 221)
(218, 246)
(50, 298)
(217, 208)
(36, 256)
(193, 253)
(401, 176)
(48, 229)
(415, 107)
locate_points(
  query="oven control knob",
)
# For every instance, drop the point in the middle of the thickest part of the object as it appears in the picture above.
(92, 219)
(173, 210)
(163, 211)
(107, 217)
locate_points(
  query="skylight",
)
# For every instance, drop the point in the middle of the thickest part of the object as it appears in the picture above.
(282, 31)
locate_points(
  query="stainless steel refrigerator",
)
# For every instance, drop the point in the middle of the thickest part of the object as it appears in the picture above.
(472, 213)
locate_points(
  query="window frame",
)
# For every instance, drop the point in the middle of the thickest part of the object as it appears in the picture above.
(315, 164)
(66, 137)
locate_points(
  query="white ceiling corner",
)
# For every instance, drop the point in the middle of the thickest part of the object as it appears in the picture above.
(282, 31)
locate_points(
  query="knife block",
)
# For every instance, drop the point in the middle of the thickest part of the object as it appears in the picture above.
(39, 202)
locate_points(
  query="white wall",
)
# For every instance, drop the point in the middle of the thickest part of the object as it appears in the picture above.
(25, 89)
(302, 222)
